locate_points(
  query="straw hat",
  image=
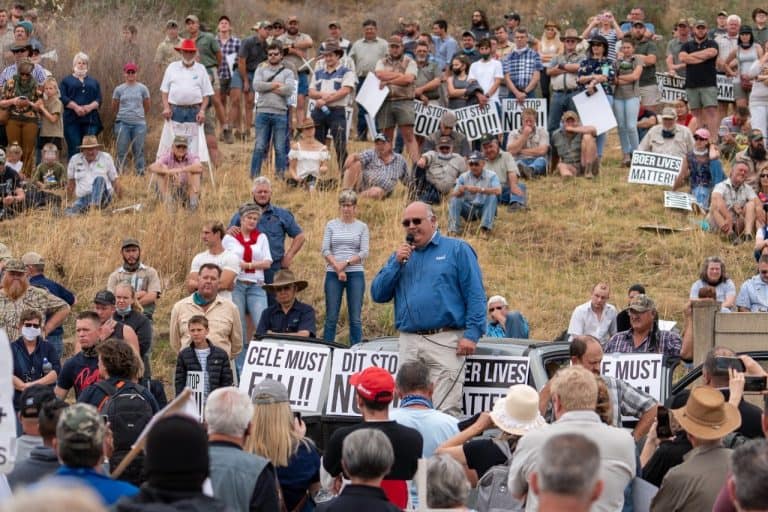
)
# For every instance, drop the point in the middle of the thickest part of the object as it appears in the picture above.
(518, 412)
(90, 141)
(707, 415)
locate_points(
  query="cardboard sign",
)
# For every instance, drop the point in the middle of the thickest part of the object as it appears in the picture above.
(672, 88)
(7, 417)
(196, 382)
(302, 368)
(512, 113)
(641, 371)
(341, 396)
(594, 110)
(654, 169)
(678, 200)
(487, 378)
(371, 95)
(427, 118)
(476, 121)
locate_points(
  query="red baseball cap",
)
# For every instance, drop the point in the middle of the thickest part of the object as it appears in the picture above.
(374, 384)
(131, 66)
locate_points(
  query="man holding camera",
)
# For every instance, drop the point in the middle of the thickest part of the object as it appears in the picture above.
(296, 46)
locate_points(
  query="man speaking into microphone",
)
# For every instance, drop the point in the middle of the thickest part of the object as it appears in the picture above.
(439, 302)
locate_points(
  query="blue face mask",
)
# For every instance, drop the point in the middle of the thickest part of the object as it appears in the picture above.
(123, 311)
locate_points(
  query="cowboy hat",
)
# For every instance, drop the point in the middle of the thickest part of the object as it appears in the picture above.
(570, 33)
(282, 278)
(706, 415)
(90, 141)
(518, 412)
(187, 45)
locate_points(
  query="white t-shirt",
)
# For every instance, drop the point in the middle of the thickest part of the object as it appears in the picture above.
(227, 260)
(485, 72)
(260, 252)
(186, 85)
(85, 173)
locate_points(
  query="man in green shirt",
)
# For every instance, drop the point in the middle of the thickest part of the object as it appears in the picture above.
(209, 53)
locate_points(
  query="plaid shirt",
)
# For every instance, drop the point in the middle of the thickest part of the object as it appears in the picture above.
(520, 66)
(590, 66)
(230, 46)
(34, 298)
(667, 342)
(377, 173)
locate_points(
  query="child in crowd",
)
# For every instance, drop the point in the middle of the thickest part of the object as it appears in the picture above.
(50, 174)
(13, 157)
(202, 356)
(51, 126)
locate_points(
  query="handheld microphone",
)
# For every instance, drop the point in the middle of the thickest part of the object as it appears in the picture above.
(409, 239)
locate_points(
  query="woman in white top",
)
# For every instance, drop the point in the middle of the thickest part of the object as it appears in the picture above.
(738, 63)
(308, 158)
(252, 248)
(549, 46)
(758, 98)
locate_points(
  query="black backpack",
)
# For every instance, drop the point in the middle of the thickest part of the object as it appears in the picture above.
(128, 413)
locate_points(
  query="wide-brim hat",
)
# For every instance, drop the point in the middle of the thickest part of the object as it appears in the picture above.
(598, 39)
(285, 277)
(518, 412)
(707, 415)
(90, 141)
(187, 45)
(570, 33)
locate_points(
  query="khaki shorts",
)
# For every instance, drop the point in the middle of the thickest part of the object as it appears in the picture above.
(649, 95)
(702, 97)
(396, 113)
(214, 76)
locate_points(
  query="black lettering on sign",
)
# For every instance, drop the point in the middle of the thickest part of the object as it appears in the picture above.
(341, 395)
(492, 373)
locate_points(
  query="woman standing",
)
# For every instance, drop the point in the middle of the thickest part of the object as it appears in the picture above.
(308, 158)
(597, 70)
(81, 96)
(549, 46)
(345, 246)
(738, 63)
(605, 25)
(626, 100)
(252, 248)
(758, 98)
(22, 98)
(131, 102)
(458, 82)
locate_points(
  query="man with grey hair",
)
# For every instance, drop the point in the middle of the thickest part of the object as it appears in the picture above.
(746, 486)
(569, 480)
(242, 480)
(447, 484)
(367, 457)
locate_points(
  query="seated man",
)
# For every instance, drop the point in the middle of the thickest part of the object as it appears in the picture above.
(475, 196)
(447, 128)
(513, 193)
(529, 145)
(734, 132)
(701, 169)
(373, 173)
(179, 173)
(733, 205)
(288, 315)
(91, 177)
(754, 155)
(669, 137)
(504, 323)
(596, 317)
(435, 173)
(576, 147)
(753, 294)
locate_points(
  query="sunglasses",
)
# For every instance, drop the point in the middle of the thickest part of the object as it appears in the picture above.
(130, 72)
(763, 176)
(696, 137)
(491, 310)
(27, 75)
(416, 222)
(31, 324)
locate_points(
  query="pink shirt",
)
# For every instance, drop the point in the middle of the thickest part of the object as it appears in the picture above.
(169, 161)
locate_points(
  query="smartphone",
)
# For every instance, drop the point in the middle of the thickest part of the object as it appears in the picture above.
(754, 383)
(723, 364)
(297, 415)
(663, 428)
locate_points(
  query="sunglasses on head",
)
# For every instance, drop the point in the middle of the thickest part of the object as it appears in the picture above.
(416, 222)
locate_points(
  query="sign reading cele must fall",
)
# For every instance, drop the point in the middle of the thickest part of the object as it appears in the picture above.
(654, 169)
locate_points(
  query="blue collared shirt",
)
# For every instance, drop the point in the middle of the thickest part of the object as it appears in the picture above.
(445, 49)
(55, 288)
(440, 286)
(753, 295)
(275, 222)
(301, 317)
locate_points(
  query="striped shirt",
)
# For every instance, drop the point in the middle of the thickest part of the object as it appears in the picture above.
(344, 240)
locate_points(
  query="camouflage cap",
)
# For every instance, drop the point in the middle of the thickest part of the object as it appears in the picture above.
(14, 265)
(80, 427)
(641, 304)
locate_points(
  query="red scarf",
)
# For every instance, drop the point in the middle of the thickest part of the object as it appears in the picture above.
(247, 251)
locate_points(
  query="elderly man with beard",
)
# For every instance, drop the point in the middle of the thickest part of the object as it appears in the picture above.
(435, 173)
(17, 295)
(144, 279)
(754, 156)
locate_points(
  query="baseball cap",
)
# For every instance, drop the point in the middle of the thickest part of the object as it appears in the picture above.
(684, 21)
(171, 23)
(512, 16)
(668, 113)
(32, 258)
(334, 24)
(178, 140)
(192, 17)
(467, 33)
(130, 242)
(448, 119)
(14, 265)
(755, 135)
(380, 137)
(261, 24)
(80, 427)
(722, 13)
(269, 391)
(33, 398)
(131, 66)
(702, 133)
(487, 138)
(476, 156)
(700, 23)
(374, 384)
(395, 40)
(638, 23)
(570, 114)
(641, 304)
(104, 298)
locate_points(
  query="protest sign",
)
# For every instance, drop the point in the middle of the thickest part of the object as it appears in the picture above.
(341, 396)
(512, 113)
(594, 110)
(672, 88)
(641, 371)
(654, 169)
(371, 95)
(678, 200)
(7, 416)
(196, 382)
(476, 121)
(301, 368)
(488, 378)
(427, 118)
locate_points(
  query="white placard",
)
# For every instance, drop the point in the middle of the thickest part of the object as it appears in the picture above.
(672, 88)
(341, 396)
(371, 95)
(512, 113)
(595, 110)
(476, 121)
(654, 169)
(678, 200)
(302, 368)
(487, 378)
(667, 325)
(231, 58)
(192, 131)
(7, 417)
(427, 118)
(196, 382)
(642, 371)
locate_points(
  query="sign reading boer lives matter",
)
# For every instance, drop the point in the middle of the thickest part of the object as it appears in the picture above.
(487, 378)
(654, 169)
(512, 113)
(302, 368)
(641, 371)
(427, 118)
(476, 121)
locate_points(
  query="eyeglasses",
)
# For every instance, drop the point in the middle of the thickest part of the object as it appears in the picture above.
(31, 324)
(416, 222)
(696, 137)
(273, 54)
(491, 310)
(763, 176)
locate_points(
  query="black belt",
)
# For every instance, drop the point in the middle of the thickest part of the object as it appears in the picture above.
(566, 90)
(427, 332)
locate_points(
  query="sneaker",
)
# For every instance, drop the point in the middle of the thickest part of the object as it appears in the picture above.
(588, 172)
(526, 171)
(515, 207)
(228, 138)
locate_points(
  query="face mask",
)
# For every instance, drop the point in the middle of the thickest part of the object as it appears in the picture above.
(123, 311)
(456, 72)
(30, 333)
(485, 56)
(667, 134)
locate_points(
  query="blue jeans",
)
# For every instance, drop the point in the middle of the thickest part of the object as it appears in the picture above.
(702, 194)
(459, 208)
(74, 133)
(603, 136)
(99, 197)
(559, 103)
(355, 286)
(626, 111)
(57, 342)
(270, 127)
(507, 197)
(130, 137)
(184, 113)
(538, 163)
(249, 299)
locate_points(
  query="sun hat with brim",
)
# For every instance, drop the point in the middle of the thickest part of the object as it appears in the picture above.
(308, 123)
(707, 415)
(187, 45)
(284, 277)
(518, 412)
(598, 39)
(570, 33)
(89, 142)
(269, 391)
(641, 304)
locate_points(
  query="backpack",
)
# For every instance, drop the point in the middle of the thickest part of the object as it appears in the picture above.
(128, 413)
(493, 492)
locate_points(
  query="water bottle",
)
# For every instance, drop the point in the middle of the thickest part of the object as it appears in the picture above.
(325, 110)
(606, 69)
(47, 366)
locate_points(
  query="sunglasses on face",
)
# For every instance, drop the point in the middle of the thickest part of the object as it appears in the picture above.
(31, 324)
(763, 176)
(131, 72)
(416, 222)
(492, 309)
(696, 137)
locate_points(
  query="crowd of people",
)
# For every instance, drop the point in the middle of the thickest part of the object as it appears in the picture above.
(561, 447)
